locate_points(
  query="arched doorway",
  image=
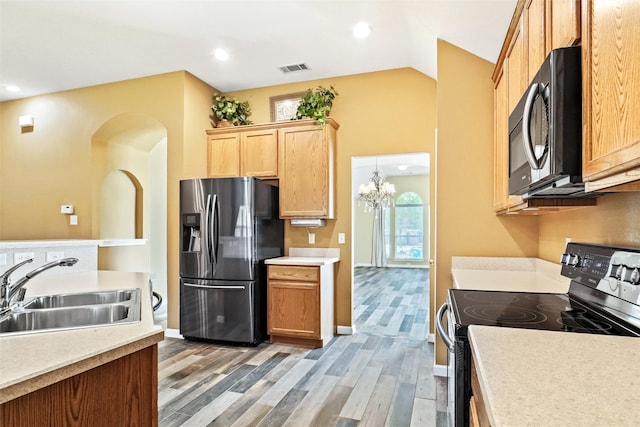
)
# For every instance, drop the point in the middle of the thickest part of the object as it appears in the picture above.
(129, 164)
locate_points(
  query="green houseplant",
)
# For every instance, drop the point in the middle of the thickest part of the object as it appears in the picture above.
(316, 104)
(230, 109)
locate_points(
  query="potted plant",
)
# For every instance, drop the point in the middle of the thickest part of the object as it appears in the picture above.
(316, 104)
(230, 111)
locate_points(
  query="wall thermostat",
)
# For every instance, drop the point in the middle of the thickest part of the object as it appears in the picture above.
(66, 209)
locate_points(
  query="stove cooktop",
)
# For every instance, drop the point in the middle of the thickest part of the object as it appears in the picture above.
(550, 312)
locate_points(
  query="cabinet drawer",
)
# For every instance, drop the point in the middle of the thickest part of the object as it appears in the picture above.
(299, 273)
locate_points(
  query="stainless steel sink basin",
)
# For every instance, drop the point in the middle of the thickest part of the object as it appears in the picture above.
(73, 311)
(85, 298)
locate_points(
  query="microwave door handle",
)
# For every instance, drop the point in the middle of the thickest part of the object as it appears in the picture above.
(446, 339)
(526, 121)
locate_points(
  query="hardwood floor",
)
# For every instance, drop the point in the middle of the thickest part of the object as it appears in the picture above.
(380, 376)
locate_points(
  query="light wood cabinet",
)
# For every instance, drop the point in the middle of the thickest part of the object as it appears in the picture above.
(527, 44)
(611, 95)
(478, 415)
(536, 17)
(564, 23)
(307, 169)
(300, 304)
(243, 151)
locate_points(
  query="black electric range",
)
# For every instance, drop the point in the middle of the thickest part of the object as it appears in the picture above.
(603, 298)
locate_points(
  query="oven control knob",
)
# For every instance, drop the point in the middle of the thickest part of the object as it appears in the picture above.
(574, 260)
(634, 277)
(564, 259)
(619, 272)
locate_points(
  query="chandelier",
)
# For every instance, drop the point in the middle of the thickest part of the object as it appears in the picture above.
(377, 193)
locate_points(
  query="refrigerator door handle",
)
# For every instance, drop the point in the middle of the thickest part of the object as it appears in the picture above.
(193, 285)
(207, 225)
(216, 229)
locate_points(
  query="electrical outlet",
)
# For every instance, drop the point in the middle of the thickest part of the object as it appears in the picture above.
(312, 238)
(54, 256)
(3, 259)
(18, 257)
(341, 238)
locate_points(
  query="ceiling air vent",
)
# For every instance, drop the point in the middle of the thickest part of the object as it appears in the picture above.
(293, 68)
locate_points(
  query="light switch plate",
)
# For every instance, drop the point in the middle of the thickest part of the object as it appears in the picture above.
(312, 238)
(3, 259)
(341, 238)
(73, 220)
(54, 255)
(18, 257)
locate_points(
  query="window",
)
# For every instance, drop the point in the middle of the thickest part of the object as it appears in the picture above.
(409, 224)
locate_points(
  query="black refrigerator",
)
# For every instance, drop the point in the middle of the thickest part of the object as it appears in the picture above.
(228, 227)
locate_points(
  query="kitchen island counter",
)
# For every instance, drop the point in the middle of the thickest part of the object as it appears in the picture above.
(541, 378)
(33, 361)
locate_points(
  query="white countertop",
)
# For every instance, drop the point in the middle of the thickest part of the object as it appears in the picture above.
(308, 256)
(542, 378)
(301, 260)
(32, 361)
(508, 274)
(22, 244)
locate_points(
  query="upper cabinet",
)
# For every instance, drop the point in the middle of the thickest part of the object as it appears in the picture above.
(243, 151)
(611, 95)
(299, 153)
(537, 26)
(307, 169)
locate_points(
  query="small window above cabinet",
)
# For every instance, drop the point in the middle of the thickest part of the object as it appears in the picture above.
(243, 151)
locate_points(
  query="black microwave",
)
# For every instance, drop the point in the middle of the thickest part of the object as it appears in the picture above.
(545, 131)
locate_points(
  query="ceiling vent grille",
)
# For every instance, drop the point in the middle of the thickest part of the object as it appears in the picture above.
(293, 68)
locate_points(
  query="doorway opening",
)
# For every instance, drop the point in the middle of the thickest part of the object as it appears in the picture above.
(392, 298)
(129, 164)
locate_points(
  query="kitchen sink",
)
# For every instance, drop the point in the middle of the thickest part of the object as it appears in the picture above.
(85, 298)
(73, 311)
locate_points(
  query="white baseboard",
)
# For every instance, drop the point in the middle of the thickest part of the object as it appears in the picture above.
(346, 330)
(440, 370)
(172, 333)
(431, 338)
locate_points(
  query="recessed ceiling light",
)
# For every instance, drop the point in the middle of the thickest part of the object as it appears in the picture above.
(221, 54)
(361, 30)
(12, 88)
(402, 167)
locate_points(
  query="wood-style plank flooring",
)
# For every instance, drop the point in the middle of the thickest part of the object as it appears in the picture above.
(380, 376)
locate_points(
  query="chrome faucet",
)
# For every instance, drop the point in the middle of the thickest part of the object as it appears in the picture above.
(5, 285)
(9, 290)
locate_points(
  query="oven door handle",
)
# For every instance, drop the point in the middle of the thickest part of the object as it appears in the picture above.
(446, 339)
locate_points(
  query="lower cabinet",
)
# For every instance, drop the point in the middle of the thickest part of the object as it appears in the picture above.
(122, 392)
(478, 416)
(300, 304)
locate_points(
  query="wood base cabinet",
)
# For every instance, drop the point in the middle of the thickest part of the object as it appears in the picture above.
(123, 392)
(300, 304)
(478, 416)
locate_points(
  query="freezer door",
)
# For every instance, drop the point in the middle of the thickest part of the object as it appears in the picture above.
(220, 310)
(217, 231)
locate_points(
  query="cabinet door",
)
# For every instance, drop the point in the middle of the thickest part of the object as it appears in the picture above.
(611, 92)
(223, 155)
(565, 23)
(536, 32)
(260, 153)
(294, 309)
(306, 172)
(517, 67)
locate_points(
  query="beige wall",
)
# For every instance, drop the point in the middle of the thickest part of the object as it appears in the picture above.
(614, 221)
(466, 222)
(379, 113)
(52, 165)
